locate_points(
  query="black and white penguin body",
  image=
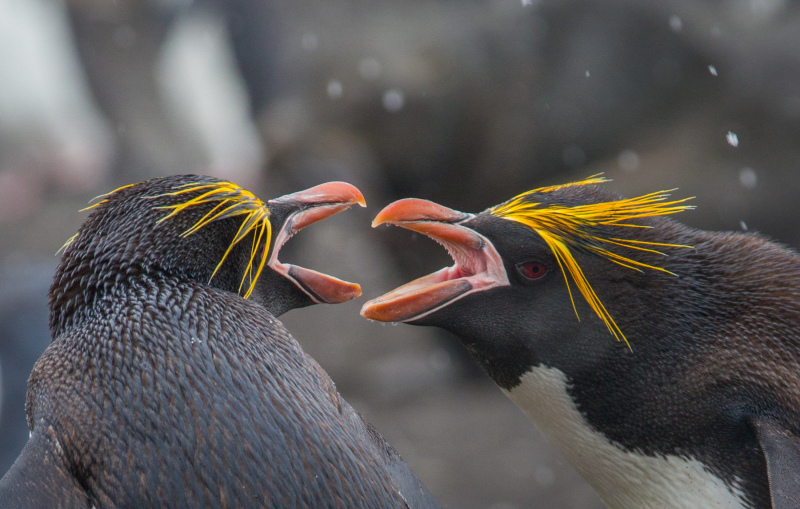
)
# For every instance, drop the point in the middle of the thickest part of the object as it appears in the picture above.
(163, 387)
(677, 384)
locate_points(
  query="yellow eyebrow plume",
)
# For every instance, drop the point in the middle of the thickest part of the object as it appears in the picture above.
(580, 227)
(232, 201)
(104, 196)
(67, 243)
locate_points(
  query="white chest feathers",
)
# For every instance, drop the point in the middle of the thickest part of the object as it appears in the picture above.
(623, 479)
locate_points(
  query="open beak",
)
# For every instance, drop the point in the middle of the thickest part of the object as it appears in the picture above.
(315, 204)
(477, 267)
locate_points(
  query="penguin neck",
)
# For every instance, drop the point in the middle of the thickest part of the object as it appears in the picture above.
(80, 285)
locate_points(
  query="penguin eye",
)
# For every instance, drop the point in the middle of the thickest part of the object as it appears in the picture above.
(532, 270)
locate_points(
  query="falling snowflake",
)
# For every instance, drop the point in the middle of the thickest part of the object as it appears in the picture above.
(675, 24)
(748, 178)
(393, 100)
(335, 89)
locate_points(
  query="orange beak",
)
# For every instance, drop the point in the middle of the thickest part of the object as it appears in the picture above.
(478, 266)
(316, 204)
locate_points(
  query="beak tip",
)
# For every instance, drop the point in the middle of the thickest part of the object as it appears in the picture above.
(364, 311)
(355, 195)
(352, 291)
(371, 310)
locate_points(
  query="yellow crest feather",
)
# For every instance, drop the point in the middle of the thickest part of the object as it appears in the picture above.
(564, 228)
(104, 195)
(67, 243)
(233, 201)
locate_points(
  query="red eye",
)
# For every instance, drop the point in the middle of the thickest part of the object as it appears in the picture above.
(532, 270)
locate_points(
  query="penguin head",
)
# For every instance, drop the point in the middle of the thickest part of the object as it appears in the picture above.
(549, 276)
(203, 230)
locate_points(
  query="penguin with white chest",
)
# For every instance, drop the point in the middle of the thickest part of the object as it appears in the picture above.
(677, 385)
(169, 381)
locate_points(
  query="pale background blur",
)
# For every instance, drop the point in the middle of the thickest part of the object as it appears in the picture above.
(464, 102)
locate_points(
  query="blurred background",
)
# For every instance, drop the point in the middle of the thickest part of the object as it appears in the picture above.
(463, 102)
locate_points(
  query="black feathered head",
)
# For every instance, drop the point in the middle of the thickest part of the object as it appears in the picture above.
(570, 218)
(205, 230)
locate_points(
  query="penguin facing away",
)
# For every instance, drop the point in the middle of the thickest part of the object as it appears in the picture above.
(677, 385)
(169, 381)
